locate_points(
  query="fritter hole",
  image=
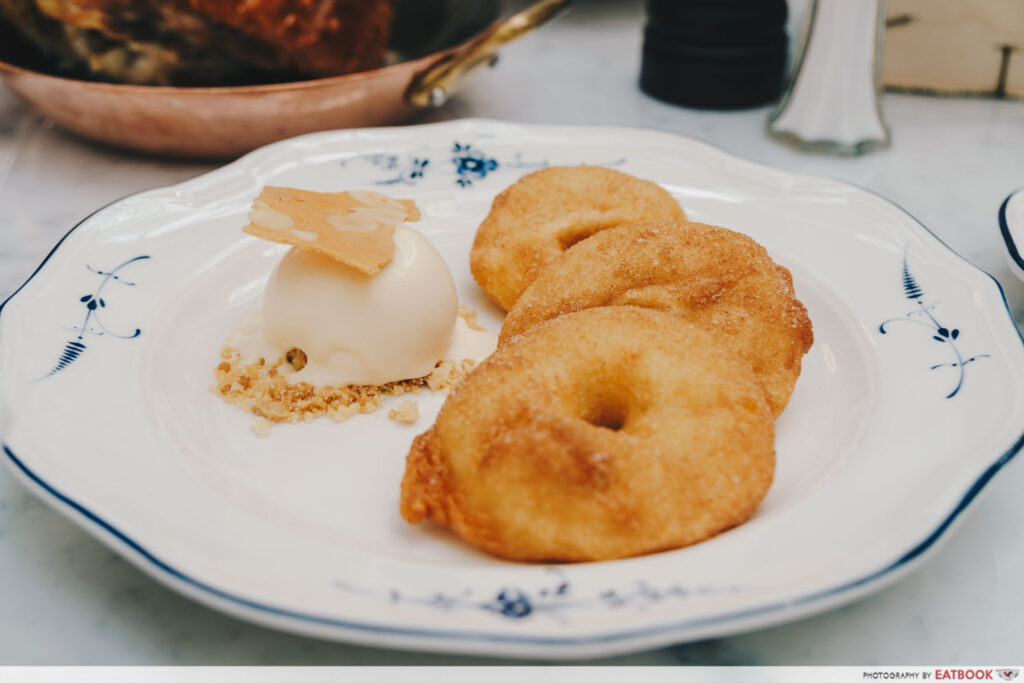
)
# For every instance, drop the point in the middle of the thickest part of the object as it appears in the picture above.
(608, 414)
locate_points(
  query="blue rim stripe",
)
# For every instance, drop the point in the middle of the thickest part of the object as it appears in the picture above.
(476, 636)
(1004, 228)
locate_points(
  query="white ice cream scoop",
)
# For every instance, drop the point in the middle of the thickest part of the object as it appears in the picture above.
(360, 329)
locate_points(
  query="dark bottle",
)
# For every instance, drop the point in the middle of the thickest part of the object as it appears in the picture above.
(715, 54)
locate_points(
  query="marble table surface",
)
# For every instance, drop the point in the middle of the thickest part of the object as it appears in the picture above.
(66, 599)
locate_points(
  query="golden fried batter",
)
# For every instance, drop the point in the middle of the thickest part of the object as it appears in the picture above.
(721, 280)
(602, 434)
(534, 220)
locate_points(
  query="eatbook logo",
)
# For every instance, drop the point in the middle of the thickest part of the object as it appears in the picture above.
(1008, 674)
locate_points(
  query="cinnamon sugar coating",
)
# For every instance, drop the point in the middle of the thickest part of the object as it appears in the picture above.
(602, 434)
(545, 212)
(719, 279)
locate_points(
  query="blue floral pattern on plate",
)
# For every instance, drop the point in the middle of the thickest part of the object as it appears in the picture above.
(923, 315)
(399, 170)
(469, 163)
(555, 600)
(92, 323)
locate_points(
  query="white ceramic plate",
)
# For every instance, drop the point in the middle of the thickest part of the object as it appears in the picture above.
(911, 399)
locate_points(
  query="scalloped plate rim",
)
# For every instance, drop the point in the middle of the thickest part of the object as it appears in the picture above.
(498, 644)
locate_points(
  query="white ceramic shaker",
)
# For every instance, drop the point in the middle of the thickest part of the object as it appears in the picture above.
(832, 99)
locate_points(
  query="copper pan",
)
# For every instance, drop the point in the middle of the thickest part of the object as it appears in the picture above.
(217, 122)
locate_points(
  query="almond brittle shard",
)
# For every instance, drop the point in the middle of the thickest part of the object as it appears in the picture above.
(356, 228)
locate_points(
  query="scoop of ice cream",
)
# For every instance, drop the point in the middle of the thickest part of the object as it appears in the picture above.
(361, 329)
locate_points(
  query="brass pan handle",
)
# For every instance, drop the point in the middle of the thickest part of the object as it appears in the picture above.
(433, 87)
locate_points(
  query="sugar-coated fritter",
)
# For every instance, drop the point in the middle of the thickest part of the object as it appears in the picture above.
(592, 437)
(721, 280)
(536, 219)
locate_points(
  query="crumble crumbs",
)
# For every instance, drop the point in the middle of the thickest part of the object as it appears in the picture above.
(261, 427)
(296, 357)
(407, 412)
(469, 316)
(259, 388)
